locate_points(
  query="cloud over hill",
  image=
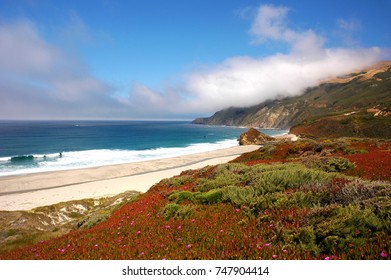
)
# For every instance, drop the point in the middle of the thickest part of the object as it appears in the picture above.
(245, 81)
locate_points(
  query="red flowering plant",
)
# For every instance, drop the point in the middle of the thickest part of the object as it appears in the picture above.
(277, 210)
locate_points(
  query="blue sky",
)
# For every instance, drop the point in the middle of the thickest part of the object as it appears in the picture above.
(176, 59)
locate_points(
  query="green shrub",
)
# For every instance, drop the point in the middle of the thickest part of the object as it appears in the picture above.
(180, 180)
(179, 212)
(331, 229)
(348, 220)
(382, 209)
(297, 200)
(94, 219)
(326, 164)
(170, 210)
(305, 238)
(239, 196)
(225, 175)
(292, 176)
(337, 165)
(205, 185)
(264, 177)
(180, 196)
(229, 168)
(211, 197)
(262, 203)
(355, 151)
(261, 186)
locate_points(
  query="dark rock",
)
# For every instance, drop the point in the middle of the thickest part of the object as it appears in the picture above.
(254, 137)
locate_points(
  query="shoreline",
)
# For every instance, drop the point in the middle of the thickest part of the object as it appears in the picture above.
(25, 192)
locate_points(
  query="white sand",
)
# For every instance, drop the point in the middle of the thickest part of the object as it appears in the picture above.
(26, 192)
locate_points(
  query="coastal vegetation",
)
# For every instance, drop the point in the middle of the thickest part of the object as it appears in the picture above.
(308, 199)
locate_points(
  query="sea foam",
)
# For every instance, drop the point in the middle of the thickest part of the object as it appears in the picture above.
(100, 157)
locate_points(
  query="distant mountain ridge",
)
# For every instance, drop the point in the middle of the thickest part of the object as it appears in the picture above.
(352, 94)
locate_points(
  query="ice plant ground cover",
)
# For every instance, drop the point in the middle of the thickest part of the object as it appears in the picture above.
(325, 199)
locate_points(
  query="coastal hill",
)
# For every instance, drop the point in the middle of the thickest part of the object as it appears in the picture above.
(357, 104)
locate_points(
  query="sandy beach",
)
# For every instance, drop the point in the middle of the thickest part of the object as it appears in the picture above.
(25, 192)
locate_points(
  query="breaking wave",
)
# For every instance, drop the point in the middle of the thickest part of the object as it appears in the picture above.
(25, 164)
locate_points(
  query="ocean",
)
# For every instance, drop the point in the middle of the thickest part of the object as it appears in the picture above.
(40, 146)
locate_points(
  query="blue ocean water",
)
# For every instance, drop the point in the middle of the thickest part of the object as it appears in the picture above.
(39, 146)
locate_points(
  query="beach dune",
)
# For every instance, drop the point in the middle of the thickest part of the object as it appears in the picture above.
(25, 192)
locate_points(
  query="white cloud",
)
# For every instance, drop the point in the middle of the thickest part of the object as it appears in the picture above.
(269, 23)
(148, 103)
(23, 52)
(40, 80)
(246, 81)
